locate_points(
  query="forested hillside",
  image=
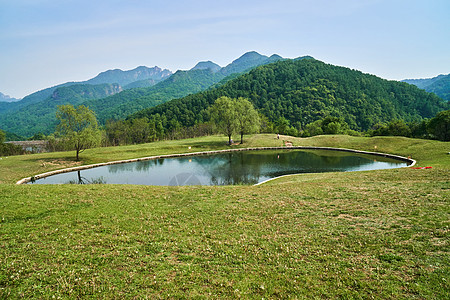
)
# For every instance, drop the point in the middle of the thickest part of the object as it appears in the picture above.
(303, 91)
(180, 84)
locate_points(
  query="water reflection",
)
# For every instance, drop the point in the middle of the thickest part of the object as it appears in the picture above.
(246, 167)
(82, 180)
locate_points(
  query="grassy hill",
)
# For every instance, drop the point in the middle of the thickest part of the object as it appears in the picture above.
(380, 234)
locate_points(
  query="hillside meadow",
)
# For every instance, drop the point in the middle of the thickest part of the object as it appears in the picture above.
(378, 234)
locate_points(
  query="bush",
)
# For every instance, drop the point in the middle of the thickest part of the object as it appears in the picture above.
(10, 149)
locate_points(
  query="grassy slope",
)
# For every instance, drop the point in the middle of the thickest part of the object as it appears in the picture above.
(380, 234)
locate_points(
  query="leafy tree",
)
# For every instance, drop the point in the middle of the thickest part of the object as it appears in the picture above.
(2, 136)
(419, 129)
(333, 125)
(439, 126)
(247, 117)
(78, 127)
(117, 132)
(224, 115)
(140, 130)
(8, 149)
(314, 128)
(282, 125)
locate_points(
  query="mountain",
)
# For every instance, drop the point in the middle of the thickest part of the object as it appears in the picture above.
(40, 116)
(124, 78)
(303, 91)
(440, 85)
(137, 95)
(6, 98)
(201, 77)
(120, 77)
(178, 85)
(248, 61)
(205, 65)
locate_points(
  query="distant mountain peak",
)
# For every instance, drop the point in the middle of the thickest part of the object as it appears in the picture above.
(6, 98)
(248, 61)
(275, 56)
(205, 65)
(126, 77)
(251, 55)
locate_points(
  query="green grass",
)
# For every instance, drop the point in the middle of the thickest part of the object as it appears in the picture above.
(379, 234)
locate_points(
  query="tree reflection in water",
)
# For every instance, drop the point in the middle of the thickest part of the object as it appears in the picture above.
(84, 180)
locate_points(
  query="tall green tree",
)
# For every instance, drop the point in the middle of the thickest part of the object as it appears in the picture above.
(247, 117)
(78, 127)
(223, 113)
(439, 126)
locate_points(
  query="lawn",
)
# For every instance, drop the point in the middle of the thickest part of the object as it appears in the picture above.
(378, 234)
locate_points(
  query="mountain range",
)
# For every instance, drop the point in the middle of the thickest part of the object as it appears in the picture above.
(117, 94)
(123, 78)
(36, 112)
(440, 85)
(6, 98)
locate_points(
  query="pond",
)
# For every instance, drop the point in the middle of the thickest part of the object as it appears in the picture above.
(229, 168)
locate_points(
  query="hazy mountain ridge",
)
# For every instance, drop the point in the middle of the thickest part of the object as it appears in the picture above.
(124, 78)
(6, 98)
(40, 116)
(247, 61)
(440, 85)
(204, 65)
(155, 74)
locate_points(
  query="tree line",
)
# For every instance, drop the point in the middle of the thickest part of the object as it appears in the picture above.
(78, 128)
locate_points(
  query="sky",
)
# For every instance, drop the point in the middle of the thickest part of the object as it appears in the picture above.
(47, 42)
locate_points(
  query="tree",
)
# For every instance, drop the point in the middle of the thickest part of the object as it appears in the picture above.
(78, 127)
(247, 117)
(439, 126)
(223, 113)
(282, 125)
(334, 125)
(140, 130)
(2, 136)
(314, 128)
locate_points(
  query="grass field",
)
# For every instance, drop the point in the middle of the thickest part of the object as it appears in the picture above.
(378, 234)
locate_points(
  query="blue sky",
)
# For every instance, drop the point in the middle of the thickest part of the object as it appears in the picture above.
(47, 42)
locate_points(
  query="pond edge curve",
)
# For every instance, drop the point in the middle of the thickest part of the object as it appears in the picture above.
(411, 162)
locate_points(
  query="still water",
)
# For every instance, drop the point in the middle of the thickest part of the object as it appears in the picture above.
(232, 168)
